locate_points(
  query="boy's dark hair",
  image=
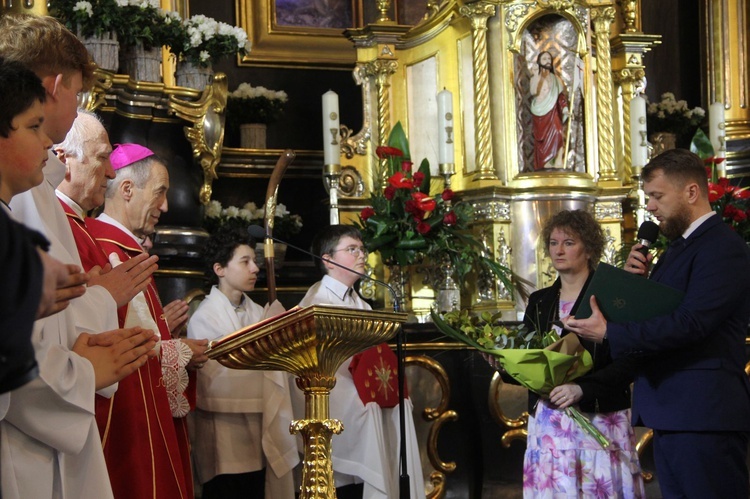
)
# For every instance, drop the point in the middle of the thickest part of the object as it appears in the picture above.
(19, 89)
(221, 245)
(326, 240)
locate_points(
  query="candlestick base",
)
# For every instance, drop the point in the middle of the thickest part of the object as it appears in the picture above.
(332, 170)
(447, 170)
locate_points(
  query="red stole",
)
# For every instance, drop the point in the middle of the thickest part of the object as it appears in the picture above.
(89, 249)
(146, 449)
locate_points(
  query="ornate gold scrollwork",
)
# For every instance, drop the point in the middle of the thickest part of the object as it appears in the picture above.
(207, 133)
(639, 446)
(95, 98)
(518, 426)
(478, 13)
(438, 415)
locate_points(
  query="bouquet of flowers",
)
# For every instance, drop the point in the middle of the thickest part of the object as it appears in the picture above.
(144, 22)
(671, 115)
(731, 202)
(87, 18)
(248, 104)
(202, 40)
(537, 360)
(285, 223)
(407, 223)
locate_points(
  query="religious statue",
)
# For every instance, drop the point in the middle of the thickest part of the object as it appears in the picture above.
(549, 109)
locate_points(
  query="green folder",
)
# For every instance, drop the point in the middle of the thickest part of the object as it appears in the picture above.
(626, 297)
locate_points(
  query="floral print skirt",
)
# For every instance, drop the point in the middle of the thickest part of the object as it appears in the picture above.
(562, 461)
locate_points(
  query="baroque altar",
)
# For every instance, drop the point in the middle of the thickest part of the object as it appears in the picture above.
(541, 92)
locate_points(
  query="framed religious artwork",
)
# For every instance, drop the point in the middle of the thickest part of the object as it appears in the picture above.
(310, 33)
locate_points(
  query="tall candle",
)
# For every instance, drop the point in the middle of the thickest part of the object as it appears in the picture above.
(331, 142)
(638, 132)
(716, 131)
(445, 127)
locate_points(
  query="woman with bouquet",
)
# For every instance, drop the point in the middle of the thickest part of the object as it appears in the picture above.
(561, 458)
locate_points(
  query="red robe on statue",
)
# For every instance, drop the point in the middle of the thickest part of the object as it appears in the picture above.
(549, 136)
(146, 449)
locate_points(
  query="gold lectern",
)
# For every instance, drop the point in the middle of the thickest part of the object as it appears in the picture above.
(311, 343)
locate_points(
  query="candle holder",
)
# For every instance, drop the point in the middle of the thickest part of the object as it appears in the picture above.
(447, 170)
(332, 174)
(638, 195)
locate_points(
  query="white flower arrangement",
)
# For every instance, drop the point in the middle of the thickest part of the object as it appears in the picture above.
(285, 223)
(248, 104)
(672, 115)
(201, 40)
(247, 91)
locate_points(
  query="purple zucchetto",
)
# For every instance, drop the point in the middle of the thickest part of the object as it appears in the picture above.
(126, 154)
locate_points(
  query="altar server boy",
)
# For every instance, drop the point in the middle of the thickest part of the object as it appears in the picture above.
(365, 456)
(242, 443)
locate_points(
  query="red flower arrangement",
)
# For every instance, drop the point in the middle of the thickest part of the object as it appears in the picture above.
(731, 202)
(407, 223)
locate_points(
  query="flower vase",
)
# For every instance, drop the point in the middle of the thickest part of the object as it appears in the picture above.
(142, 64)
(398, 279)
(193, 75)
(663, 141)
(104, 50)
(447, 292)
(253, 136)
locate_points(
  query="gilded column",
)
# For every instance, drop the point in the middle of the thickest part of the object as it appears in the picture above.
(478, 13)
(602, 18)
(726, 76)
(381, 70)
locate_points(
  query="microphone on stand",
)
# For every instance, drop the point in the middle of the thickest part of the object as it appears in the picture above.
(259, 233)
(648, 232)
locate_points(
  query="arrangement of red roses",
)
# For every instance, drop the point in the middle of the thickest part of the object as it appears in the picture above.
(407, 223)
(731, 202)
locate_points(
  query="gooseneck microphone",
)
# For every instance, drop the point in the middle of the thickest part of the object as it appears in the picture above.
(259, 233)
(648, 232)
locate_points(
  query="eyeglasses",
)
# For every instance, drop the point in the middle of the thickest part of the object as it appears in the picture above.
(354, 250)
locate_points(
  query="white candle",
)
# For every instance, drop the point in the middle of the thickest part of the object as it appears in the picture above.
(331, 142)
(638, 132)
(716, 131)
(445, 127)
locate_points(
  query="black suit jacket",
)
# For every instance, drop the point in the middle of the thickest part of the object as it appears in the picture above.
(694, 379)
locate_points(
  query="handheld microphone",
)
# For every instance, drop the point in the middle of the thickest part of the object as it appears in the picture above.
(648, 232)
(259, 233)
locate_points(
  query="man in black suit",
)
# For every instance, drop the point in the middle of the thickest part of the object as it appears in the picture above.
(693, 391)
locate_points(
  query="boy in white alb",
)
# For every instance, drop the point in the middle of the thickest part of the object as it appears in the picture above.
(241, 443)
(365, 454)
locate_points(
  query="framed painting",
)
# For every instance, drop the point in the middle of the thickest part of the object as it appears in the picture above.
(310, 33)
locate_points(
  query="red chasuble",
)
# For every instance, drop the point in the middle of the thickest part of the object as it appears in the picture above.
(146, 449)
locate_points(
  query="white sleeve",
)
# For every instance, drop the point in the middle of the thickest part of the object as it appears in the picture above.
(57, 408)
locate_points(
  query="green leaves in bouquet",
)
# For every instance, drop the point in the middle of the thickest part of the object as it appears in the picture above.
(487, 334)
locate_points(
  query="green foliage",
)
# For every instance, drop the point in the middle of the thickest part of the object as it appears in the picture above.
(86, 18)
(487, 333)
(408, 225)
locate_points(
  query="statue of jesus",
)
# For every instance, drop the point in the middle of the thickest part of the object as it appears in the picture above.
(549, 109)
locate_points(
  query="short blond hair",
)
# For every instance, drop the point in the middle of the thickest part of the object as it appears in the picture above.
(45, 46)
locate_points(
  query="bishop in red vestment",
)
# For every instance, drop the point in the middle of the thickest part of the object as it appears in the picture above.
(145, 448)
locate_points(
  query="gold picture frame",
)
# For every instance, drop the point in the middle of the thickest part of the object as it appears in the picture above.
(292, 46)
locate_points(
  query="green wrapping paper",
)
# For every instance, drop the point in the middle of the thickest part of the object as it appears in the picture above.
(539, 370)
